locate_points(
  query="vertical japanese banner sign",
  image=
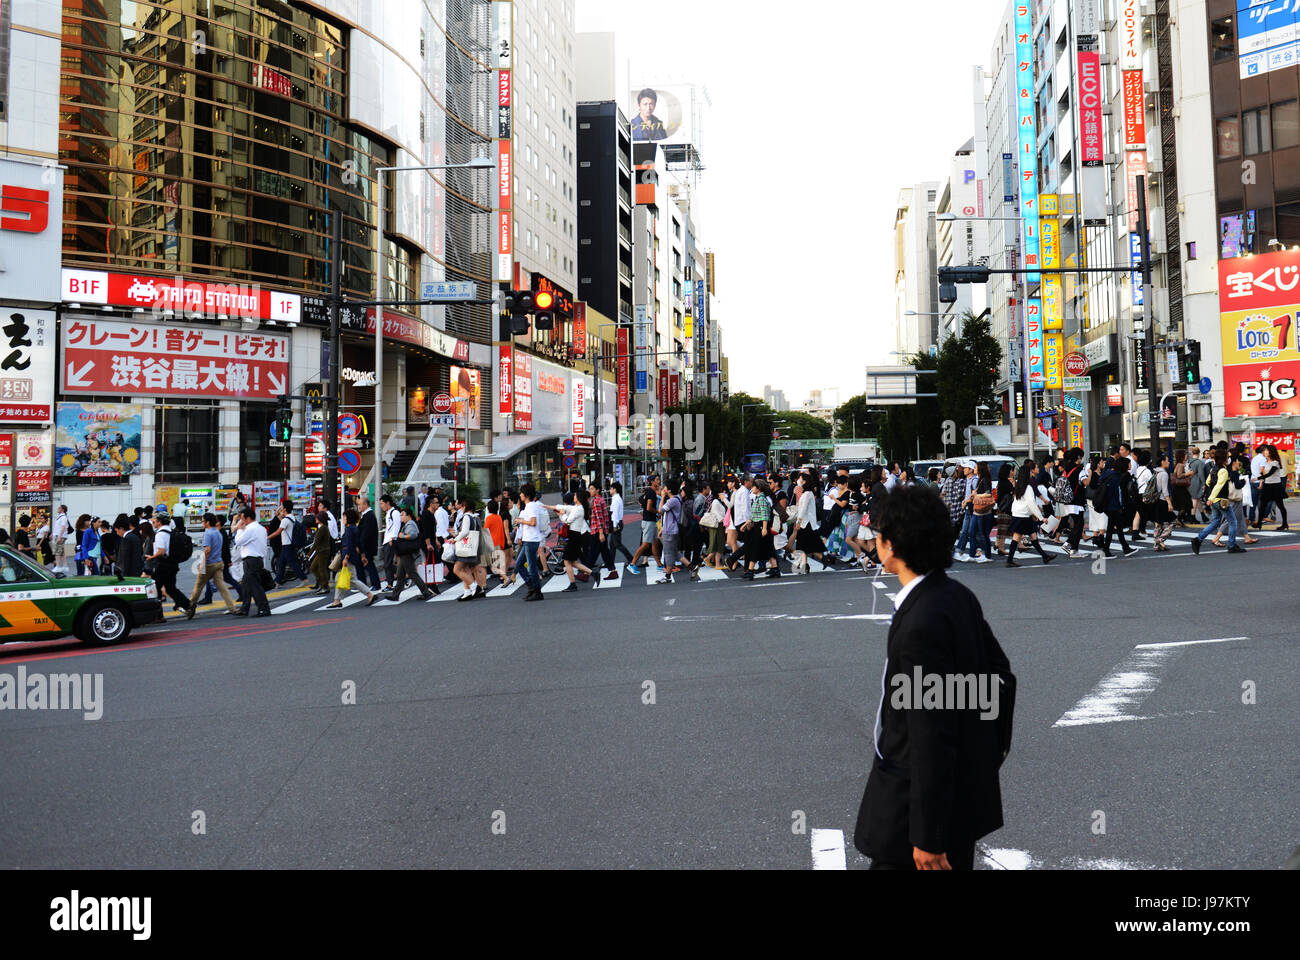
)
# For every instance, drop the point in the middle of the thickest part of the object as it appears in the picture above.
(621, 350)
(1028, 137)
(1135, 258)
(505, 380)
(663, 389)
(1091, 145)
(523, 398)
(502, 62)
(1050, 228)
(580, 330)
(1054, 361)
(642, 345)
(1034, 331)
(1133, 100)
(674, 390)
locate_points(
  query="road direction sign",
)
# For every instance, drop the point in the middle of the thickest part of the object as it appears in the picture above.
(1078, 384)
(1076, 364)
(442, 403)
(449, 292)
(349, 462)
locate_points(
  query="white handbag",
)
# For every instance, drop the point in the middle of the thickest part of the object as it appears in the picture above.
(449, 551)
(467, 545)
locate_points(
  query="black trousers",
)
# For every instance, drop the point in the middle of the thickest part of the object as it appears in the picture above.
(164, 575)
(1077, 521)
(961, 856)
(250, 587)
(603, 548)
(1116, 522)
(371, 571)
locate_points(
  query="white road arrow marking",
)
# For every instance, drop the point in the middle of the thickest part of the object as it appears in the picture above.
(76, 378)
(828, 850)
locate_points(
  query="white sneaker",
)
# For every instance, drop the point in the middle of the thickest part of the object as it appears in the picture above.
(964, 558)
(982, 559)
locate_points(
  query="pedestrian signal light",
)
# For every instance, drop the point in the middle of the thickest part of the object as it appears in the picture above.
(1192, 370)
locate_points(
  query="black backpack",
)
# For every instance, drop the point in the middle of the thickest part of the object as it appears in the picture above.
(1130, 491)
(298, 539)
(225, 547)
(689, 523)
(181, 547)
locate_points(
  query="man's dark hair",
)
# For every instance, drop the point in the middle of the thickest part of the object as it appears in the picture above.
(123, 524)
(529, 491)
(647, 92)
(248, 514)
(915, 521)
(352, 517)
(1144, 458)
(210, 519)
(617, 487)
(386, 499)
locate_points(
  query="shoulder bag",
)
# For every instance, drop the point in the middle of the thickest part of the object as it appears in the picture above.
(467, 543)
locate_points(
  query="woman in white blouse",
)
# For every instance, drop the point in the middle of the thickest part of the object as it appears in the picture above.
(574, 512)
(1026, 514)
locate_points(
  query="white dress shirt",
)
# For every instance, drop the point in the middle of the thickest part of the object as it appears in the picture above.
(392, 525)
(616, 509)
(740, 510)
(443, 521)
(250, 541)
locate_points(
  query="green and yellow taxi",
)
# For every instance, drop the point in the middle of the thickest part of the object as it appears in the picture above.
(34, 605)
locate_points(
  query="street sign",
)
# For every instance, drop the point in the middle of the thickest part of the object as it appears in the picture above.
(1076, 365)
(776, 435)
(449, 292)
(349, 462)
(456, 446)
(442, 403)
(442, 420)
(567, 444)
(275, 431)
(1073, 403)
(349, 430)
(1078, 384)
(1206, 385)
(570, 463)
(584, 441)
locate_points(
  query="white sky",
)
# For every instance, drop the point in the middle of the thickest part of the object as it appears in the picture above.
(821, 113)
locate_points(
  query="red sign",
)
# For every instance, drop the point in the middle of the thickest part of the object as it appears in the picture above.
(1135, 110)
(1264, 280)
(442, 403)
(503, 88)
(1091, 143)
(1285, 442)
(580, 329)
(523, 391)
(1076, 364)
(1261, 389)
(32, 205)
(504, 174)
(663, 389)
(674, 385)
(6, 451)
(584, 441)
(314, 456)
(505, 380)
(503, 229)
(145, 359)
(33, 481)
(183, 297)
(621, 363)
(265, 78)
(455, 446)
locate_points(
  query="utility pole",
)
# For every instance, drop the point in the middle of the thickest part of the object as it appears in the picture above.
(332, 395)
(1148, 326)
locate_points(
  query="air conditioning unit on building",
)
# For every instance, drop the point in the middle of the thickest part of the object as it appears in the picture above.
(1114, 159)
(1151, 84)
(1156, 225)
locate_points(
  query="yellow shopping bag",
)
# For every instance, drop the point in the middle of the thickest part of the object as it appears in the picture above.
(345, 578)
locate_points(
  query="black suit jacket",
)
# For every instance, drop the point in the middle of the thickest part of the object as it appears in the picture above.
(934, 778)
(130, 555)
(368, 535)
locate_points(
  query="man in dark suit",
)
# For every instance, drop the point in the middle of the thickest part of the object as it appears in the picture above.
(130, 552)
(368, 541)
(933, 789)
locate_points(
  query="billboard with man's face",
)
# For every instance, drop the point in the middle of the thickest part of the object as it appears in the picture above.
(662, 114)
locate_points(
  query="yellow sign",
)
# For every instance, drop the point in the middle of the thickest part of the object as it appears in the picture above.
(1053, 362)
(690, 325)
(1048, 205)
(1263, 335)
(1053, 304)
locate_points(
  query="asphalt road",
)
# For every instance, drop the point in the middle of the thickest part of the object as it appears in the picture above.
(504, 734)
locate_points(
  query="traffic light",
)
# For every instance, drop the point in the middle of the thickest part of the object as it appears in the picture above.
(544, 304)
(515, 307)
(963, 274)
(284, 421)
(1192, 363)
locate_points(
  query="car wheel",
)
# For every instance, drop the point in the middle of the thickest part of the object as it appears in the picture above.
(103, 624)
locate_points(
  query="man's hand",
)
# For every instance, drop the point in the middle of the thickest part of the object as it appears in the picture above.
(930, 861)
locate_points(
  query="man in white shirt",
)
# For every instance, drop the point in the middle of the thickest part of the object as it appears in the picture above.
(891, 476)
(59, 538)
(164, 570)
(392, 527)
(616, 510)
(443, 519)
(250, 549)
(741, 504)
(1257, 464)
(531, 521)
(285, 553)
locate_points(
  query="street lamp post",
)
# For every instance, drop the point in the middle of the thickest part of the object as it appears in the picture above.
(478, 163)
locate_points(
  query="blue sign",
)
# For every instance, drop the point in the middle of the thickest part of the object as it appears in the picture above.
(1206, 385)
(1268, 36)
(349, 462)
(642, 381)
(570, 463)
(1028, 139)
(449, 292)
(442, 420)
(1135, 258)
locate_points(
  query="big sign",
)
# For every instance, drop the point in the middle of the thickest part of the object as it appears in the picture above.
(118, 357)
(1258, 301)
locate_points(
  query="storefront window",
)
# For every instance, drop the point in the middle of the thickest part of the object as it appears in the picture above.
(186, 440)
(258, 460)
(539, 465)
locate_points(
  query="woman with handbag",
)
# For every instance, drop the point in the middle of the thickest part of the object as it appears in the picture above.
(349, 563)
(1219, 490)
(406, 547)
(1026, 514)
(1180, 486)
(714, 524)
(1004, 492)
(573, 514)
(467, 547)
(321, 565)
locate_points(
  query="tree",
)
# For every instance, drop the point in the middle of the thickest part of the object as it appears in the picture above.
(856, 418)
(968, 371)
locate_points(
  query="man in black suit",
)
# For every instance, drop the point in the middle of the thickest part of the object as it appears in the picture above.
(130, 552)
(368, 537)
(933, 789)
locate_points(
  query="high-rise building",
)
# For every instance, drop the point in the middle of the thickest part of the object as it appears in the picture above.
(605, 209)
(916, 289)
(964, 239)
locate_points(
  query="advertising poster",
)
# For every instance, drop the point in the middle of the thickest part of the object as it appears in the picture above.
(168, 496)
(465, 383)
(662, 113)
(1054, 361)
(578, 405)
(34, 449)
(523, 391)
(1259, 298)
(505, 380)
(1268, 36)
(33, 486)
(623, 380)
(6, 451)
(6, 487)
(1034, 330)
(97, 440)
(417, 405)
(27, 366)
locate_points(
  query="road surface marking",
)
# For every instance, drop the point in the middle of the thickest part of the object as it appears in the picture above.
(828, 850)
(293, 605)
(1186, 643)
